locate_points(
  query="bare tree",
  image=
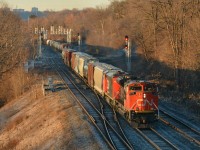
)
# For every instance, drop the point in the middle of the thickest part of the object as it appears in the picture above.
(12, 41)
(13, 52)
(164, 31)
(175, 19)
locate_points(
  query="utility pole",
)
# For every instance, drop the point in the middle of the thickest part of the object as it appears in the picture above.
(128, 53)
(79, 42)
(40, 44)
(52, 29)
(69, 36)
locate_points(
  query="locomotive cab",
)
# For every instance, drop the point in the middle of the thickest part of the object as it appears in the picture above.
(141, 101)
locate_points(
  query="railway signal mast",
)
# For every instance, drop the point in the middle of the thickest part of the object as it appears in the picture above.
(40, 44)
(42, 34)
(79, 41)
(52, 31)
(69, 35)
(127, 49)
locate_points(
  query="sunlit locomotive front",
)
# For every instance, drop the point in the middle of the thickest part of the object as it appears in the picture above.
(141, 102)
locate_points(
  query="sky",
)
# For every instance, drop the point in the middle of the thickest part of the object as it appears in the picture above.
(55, 5)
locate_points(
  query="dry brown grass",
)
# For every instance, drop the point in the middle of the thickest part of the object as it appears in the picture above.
(15, 83)
(11, 144)
(12, 124)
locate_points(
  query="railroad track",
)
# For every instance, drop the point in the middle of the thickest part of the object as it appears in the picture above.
(188, 132)
(112, 117)
(122, 130)
(102, 118)
(156, 139)
(110, 131)
(90, 107)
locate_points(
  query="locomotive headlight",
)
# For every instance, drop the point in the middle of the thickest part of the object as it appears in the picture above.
(144, 95)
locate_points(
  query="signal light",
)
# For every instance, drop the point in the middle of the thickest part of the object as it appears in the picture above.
(126, 37)
(126, 42)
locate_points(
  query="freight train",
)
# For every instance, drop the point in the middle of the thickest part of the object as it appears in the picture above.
(136, 100)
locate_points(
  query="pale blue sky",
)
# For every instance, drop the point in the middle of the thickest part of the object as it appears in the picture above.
(55, 5)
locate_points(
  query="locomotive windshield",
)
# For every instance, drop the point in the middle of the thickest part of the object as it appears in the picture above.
(149, 88)
(136, 88)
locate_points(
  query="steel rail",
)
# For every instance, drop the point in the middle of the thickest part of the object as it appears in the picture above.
(101, 115)
(121, 129)
(156, 139)
(188, 132)
(86, 112)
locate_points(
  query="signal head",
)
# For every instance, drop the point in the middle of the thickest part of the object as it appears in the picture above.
(126, 42)
(126, 37)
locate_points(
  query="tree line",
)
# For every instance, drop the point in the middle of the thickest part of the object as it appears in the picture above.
(165, 32)
(14, 51)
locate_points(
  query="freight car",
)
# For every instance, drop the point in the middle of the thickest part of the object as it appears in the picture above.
(136, 100)
(57, 45)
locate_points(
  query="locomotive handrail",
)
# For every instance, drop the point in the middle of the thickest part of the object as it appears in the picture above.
(157, 109)
(137, 102)
(133, 105)
(116, 95)
(149, 104)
